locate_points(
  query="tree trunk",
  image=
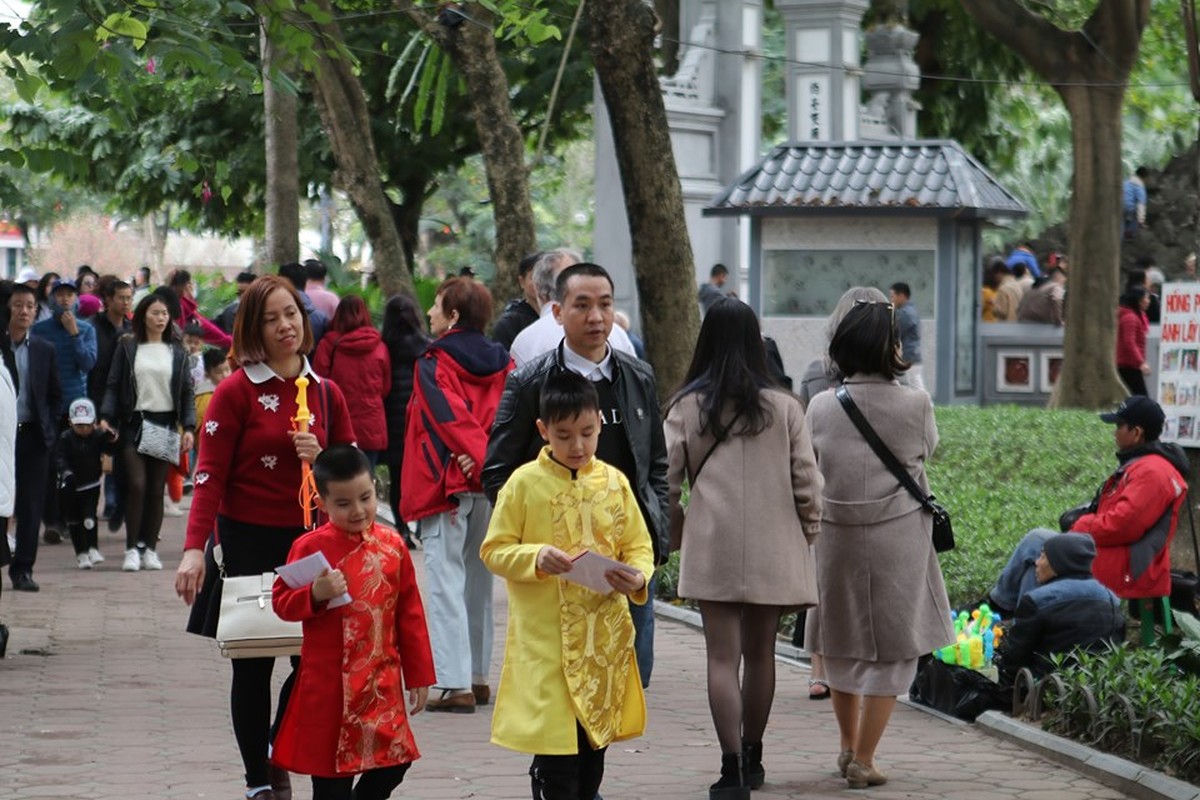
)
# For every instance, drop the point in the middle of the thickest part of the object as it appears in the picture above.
(1089, 68)
(471, 46)
(283, 170)
(155, 234)
(1089, 376)
(414, 191)
(622, 48)
(343, 111)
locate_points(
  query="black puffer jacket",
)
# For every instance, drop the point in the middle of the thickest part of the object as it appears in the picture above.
(403, 355)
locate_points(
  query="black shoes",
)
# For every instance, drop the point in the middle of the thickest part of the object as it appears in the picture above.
(3, 639)
(51, 535)
(115, 521)
(25, 583)
(752, 764)
(732, 785)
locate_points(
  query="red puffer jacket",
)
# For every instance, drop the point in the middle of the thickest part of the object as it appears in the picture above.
(357, 361)
(457, 385)
(1135, 521)
(1132, 327)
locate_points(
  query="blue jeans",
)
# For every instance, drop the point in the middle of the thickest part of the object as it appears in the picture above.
(643, 629)
(459, 593)
(1019, 574)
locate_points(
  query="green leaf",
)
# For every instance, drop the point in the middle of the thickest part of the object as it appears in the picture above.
(439, 98)
(28, 86)
(226, 193)
(123, 25)
(12, 158)
(425, 89)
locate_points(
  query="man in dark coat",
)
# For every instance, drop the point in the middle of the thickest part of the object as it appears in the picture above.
(521, 312)
(34, 366)
(110, 325)
(1068, 609)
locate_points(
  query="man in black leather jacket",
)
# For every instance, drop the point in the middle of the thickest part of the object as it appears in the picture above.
(632, 437)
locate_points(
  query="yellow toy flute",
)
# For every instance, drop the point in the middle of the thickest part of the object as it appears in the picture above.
(308, 487)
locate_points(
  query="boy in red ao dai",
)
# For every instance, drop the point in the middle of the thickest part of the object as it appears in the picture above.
(346, 715)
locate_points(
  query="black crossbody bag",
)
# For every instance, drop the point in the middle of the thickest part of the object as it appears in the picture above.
(943, 533)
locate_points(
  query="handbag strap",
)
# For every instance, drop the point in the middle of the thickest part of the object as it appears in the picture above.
(696, 475)
(885, 455)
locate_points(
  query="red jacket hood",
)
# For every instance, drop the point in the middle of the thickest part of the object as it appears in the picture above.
(360, 341)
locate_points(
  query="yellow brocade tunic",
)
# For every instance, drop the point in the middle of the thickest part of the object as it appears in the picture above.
(569, 650)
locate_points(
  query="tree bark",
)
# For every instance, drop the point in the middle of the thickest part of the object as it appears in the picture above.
(1089, 69)
(471, 46)
(622, 48)
(343, 110)
(283, 169)
(414, 191)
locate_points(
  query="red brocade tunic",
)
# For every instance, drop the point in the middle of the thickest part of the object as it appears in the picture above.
(347, 709)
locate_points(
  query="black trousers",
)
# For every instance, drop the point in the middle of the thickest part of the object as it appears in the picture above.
(250, 708)
(574, 777)
(374, 784)
(1134, 380)
(79, 512)
(33, 468)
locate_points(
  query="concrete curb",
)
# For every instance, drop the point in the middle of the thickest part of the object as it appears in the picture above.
(1125, 776)
(1118, 773)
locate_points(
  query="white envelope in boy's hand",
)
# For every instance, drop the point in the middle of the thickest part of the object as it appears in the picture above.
(302, 572)
(589, 569)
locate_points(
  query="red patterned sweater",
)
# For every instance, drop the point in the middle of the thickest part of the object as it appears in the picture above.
(248, 468)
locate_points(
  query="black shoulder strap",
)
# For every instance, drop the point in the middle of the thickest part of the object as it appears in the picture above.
(890, 461)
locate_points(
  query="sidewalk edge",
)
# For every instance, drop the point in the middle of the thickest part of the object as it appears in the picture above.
(1126, 776)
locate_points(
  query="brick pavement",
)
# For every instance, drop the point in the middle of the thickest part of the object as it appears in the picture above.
(115, 701)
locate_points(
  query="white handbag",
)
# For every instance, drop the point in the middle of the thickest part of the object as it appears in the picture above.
(248, 626)
(159, 441)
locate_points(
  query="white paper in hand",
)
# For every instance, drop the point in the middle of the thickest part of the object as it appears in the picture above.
(304, 571)
(589, 569)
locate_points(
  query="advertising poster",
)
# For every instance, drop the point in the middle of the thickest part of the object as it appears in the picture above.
(1179, 363)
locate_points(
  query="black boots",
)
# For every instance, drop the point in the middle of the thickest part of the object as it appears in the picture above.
(3, 639)
(733, 784)
(752, 764)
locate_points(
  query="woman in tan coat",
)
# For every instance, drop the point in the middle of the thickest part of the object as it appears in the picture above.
(741, 444)
(882, 599)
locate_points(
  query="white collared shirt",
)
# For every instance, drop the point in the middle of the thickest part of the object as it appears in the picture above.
(586, 367)
(261, 372)
(545, 334)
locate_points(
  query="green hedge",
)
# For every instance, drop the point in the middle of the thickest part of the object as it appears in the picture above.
(1001, 471)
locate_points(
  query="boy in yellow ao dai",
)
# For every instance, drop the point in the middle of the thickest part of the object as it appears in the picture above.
(570, 684)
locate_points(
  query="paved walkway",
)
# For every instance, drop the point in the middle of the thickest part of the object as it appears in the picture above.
(104, 696)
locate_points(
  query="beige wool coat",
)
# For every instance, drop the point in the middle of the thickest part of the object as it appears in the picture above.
(882, 597)
(753, 511)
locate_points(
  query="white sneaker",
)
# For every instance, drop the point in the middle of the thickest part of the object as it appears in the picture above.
(95, 555)
(150, 560)
(171, 508)
(133, 561)
(84, 561)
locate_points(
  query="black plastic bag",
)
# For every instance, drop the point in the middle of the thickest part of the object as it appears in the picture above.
(955, 690)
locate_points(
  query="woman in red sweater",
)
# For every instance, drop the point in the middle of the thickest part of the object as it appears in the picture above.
(1132, 326)
(246, 486)
(354, 356)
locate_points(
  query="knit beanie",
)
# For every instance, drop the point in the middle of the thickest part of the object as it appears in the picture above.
(1071, 554)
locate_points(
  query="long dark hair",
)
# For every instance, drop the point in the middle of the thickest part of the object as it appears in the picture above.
(729, 368)
(403, 332)
(170, 334)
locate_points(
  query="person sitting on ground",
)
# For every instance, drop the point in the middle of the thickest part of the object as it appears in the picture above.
(346, 714)
(1069, 608)
(1132, 518)
(1044, 302)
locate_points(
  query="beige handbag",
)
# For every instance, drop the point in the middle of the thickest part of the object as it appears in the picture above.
(248, 626)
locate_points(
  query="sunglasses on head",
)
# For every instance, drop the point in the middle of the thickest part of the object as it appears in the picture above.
(889, 306)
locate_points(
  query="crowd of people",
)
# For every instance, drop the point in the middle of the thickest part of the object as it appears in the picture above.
(538, 454)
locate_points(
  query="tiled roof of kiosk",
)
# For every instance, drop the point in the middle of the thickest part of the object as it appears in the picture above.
(930, 175)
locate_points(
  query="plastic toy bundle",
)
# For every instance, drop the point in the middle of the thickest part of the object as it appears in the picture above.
(977, 635)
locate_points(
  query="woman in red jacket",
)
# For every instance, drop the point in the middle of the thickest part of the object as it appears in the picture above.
(247, 483)
(457, 385)
(352, 354)
(1132, 326)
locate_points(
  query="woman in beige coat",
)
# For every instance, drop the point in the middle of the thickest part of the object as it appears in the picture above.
(882, 599)
(740, 443)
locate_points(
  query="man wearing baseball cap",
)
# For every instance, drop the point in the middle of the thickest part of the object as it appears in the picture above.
(1132, 519)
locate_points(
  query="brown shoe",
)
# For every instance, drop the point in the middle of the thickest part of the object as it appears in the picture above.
(482, 692)
(860, 776)
(844, 759)
(281, 782)
(460, 703)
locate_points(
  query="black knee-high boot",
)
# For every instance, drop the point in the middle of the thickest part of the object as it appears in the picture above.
(732, 785)
(756, 776)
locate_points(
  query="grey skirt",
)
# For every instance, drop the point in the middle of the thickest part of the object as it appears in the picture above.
(879, 678)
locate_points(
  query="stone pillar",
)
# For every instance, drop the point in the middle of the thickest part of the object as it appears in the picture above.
(823, 72)
(891, 76)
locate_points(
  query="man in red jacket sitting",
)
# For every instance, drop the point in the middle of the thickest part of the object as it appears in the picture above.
(1132, 518)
